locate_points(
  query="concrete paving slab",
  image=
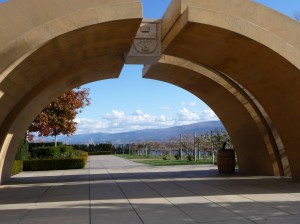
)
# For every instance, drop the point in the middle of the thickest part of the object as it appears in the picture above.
(10, 219)
(50, 219)
(128, 217)
(110, 206)
(115, 190)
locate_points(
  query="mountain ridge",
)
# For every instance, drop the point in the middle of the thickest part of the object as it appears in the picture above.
(162, 134)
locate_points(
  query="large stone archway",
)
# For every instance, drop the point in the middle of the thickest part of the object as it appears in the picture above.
(61, 45)
(230, 53)
(240, 113)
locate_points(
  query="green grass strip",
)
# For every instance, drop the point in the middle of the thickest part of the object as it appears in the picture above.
(158, 161)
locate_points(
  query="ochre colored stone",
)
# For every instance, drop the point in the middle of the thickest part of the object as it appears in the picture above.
(240, 57)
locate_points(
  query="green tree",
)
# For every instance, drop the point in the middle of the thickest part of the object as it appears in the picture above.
(219, 137)
(22, 152)
(58, 117)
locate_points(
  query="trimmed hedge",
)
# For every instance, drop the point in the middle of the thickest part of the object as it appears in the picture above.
(66, 149)
(45, 152)
(104, 147)
(50, 152)
(17, 167)
(22, 152)
(54, 164)
(100, 153)
(32, 145)
(82, 153)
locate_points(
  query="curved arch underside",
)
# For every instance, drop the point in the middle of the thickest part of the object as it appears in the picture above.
(254, 52)
(239, 114)
(243, 65)
(89, 49)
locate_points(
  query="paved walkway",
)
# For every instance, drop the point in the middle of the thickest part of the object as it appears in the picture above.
(113, 190)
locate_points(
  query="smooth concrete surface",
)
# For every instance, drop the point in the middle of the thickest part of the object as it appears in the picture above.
(50, 46)
(241, 40)
(114, 190)
(70, 43)
(216, 89)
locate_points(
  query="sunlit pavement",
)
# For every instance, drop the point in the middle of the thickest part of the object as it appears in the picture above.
(114, 190)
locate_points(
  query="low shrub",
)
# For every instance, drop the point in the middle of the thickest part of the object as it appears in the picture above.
(103, 147)
(66, 149)
(54, 164)
(79, 153)
(52, 152)
(84, 159)
(17, 167)
(33, 145)
(189, 158)
(100, 153)
(166, 158)
(44, 152)
(22, 152)
(82, 154)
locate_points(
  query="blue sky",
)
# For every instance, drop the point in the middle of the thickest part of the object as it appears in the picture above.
(132, 103)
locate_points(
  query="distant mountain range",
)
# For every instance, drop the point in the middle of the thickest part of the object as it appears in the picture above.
(164, 134)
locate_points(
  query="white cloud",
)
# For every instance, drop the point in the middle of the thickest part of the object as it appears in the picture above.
(89, 126)
(184, 116)
(115, 116)
(118, 121)
(140, 119)
(209, 115)
(193, 104)
(189, 104)
(138, 112)
(166, 108)
(166, 121)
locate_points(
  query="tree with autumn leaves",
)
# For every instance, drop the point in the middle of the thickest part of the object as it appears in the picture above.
(58, 117)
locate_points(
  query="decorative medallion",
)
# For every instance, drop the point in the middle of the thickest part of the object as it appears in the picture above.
(146, 40)
(146, 47)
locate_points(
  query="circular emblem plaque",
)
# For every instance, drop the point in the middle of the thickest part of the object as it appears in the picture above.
(145, 46)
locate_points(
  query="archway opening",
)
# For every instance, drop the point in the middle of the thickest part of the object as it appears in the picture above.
(160, 111)
(50, 59)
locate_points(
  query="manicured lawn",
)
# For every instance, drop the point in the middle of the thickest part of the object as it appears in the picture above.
(125, 156)
(158, 161)
(161, 162)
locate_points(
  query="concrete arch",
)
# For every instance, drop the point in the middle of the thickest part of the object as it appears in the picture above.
(226, 98)
(52, 49)
(241, 40)
(48, 63)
